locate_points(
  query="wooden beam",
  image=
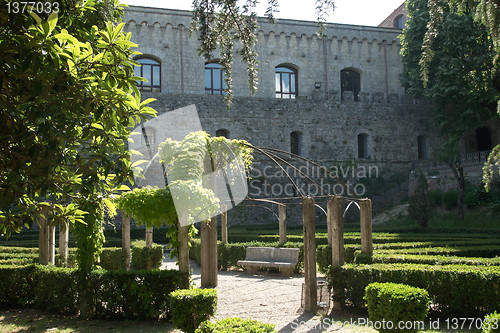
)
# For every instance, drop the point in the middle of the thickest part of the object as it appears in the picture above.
(335, 215)
(282, 224)
(366, 226)
(311, 293)
(209, 267)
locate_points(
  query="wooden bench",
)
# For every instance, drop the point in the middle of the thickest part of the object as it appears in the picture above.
(283, 258)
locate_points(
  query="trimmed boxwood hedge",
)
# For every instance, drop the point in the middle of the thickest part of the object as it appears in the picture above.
(115, 294)
(457, 290)
(396, 303)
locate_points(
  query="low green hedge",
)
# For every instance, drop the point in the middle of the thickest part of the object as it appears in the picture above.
(235, 325)
(396, 304)
(191, 307)
(114, 294)
(457, 290)
(431, 259)
(146, 258)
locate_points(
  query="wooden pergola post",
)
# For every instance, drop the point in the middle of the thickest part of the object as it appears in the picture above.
(366, 226)
(336, 220)
(282, 223)
(209, 253)
(335, 215)
(311, 293)
(126, 240)
(63, 243)
(183, 249)
(223, 225)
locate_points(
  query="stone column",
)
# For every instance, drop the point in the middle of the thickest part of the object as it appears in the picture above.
(223, 225)
(52, 244)
(336, 217)
(209, 253)
(282, 226)
(126, 239)
(63, 243)
(43, 242)
(366, 226)
(311, 293)
(183, 250)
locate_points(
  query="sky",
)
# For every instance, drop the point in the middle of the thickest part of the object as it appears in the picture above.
(358, 12)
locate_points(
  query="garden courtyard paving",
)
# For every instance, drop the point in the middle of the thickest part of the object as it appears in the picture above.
(269, 298)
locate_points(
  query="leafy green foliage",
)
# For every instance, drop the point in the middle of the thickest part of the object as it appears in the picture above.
(191, 307)
(396, 303)
(491, 323)
(114, 294)
(146, 258)
(69, 102)
(235, 325)
(450, 199)
(420, 207)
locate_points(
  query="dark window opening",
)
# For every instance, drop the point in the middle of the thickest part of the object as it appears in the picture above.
(350, 80)
(363, 145)
(296, 143)
(483, 137)
(422, 146)
(223, 133)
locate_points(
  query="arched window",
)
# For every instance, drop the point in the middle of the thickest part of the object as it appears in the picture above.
(423, 147)
(399, 22)
(363, 145)
(286, 82)
(148, 136)
(350, 80)
(150, 69)
(222, 132)
(296, 143)
(214, 79)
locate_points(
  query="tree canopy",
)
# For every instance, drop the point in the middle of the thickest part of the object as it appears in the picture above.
(485, 12)
(461, 74)
(68, 101)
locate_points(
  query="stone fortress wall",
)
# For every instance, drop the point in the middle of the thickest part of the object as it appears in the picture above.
(329, 125)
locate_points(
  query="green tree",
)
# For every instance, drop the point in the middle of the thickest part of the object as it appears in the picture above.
(68, 103)
(484, 12)
(459, 77)
(420, 207)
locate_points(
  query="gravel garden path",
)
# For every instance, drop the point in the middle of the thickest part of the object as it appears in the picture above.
(268, 298)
